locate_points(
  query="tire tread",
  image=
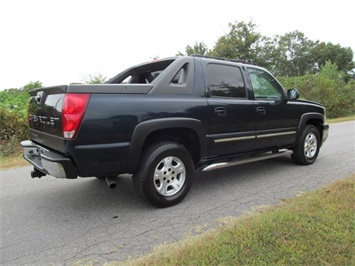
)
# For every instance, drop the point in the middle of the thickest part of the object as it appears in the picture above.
(298, 155)
(140, 178)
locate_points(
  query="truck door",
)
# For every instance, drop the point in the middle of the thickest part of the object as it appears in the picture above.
(276, 119)
(232, 114)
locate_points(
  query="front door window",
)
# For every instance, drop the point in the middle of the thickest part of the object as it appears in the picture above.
(264, 85)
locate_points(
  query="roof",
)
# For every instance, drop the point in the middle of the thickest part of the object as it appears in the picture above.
(237, 60)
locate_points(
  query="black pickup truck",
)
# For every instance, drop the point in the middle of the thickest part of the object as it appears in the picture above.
(161, 121)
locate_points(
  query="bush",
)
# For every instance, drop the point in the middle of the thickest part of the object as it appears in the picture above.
(328, 88)
(10, 147)
(13, 118)
(13, 129)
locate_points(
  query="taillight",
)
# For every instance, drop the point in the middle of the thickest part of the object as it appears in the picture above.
(74, 106)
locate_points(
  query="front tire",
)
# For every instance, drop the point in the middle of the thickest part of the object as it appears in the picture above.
(165, 174)
(307, 146)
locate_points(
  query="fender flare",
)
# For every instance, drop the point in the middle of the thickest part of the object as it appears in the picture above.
(306, 117)
(142, 131)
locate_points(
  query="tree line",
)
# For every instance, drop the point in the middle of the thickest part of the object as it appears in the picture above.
(288, 55)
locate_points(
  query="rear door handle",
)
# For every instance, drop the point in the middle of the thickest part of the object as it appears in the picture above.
(221, 111)
(261, 110)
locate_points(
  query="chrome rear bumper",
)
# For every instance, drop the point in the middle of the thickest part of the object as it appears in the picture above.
(48, 162)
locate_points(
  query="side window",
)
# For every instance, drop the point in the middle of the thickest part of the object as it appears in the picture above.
(264, 85)
(225, 81)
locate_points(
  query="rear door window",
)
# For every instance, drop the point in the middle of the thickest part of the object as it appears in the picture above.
(225, 81)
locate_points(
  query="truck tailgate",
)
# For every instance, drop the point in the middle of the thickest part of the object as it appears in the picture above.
(45, 116)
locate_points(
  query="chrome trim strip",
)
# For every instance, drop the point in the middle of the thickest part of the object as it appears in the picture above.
(254, 137)
(234, 139)
(276, 134)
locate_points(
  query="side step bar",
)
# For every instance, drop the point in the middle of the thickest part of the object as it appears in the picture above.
(248, 160)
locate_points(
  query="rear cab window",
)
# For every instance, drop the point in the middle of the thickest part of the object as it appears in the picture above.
(225, 81)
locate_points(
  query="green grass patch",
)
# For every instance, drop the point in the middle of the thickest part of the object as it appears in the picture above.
(7, 162)
(316, 228)
(341, 119)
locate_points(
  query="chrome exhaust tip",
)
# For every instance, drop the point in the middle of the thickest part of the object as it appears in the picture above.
(111, 182)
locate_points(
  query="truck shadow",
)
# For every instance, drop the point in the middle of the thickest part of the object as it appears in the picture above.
(93, 195)
(239, 173)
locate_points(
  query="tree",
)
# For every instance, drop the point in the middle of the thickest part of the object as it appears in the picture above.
(351, 73)
(326, 87)
(198, 48)
(291, 54)
(268, 52)
(97, 78)
(16, 100)
(333, 92)
(32, 85)
(242, 41)
(341, 56)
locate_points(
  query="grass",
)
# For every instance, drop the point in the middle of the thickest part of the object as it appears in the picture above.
(341, 119)
(7, 162)
(316, 228)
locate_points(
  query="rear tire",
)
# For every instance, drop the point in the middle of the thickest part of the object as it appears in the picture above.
(307, 146)
(164, 175)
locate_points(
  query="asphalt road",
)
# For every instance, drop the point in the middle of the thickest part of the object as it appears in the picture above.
(51, 221)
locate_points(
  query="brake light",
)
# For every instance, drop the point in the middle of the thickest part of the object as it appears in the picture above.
(74, 106)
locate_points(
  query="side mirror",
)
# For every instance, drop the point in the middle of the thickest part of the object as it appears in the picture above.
(293, 94)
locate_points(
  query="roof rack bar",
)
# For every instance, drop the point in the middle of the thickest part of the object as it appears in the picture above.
(237, 60)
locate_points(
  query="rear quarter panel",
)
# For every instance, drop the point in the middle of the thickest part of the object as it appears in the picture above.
(103, 141)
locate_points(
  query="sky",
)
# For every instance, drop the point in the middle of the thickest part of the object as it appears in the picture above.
(60, 42)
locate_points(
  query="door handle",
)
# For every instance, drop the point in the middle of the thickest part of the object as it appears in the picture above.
(261, 110)
(221, 111)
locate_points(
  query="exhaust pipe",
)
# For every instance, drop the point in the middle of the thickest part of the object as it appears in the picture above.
(110, 180)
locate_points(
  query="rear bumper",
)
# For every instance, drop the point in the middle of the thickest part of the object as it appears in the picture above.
(325, 133)
(48, 162)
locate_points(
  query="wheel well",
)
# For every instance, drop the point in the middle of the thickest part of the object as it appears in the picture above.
(184, 136)
(318, 124)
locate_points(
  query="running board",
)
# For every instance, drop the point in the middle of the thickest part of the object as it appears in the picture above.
(249, 160)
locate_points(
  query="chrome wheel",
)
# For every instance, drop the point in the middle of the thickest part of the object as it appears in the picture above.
(169, 176)
(165, 174)
(310, 145)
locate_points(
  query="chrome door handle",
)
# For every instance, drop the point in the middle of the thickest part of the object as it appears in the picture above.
(221, 111)
(261, 110)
